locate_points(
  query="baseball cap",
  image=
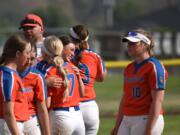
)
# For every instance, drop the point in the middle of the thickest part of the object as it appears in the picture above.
(136, 37)
(31, 20)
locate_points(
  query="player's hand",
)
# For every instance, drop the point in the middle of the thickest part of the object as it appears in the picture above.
(76, 70)
(55, 82)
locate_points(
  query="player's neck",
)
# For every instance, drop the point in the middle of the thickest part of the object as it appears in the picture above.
(141, 58)
(40, 39)
(11, 65)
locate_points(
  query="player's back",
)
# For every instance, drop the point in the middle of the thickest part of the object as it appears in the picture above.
(91, 66)
(57, 93)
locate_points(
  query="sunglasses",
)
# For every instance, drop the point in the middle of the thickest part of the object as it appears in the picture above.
(29, 21)
(25, 28)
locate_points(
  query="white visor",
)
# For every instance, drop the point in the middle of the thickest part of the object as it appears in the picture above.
(136, 37)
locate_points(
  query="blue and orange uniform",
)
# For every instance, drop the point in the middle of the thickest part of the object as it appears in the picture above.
(34, 88)
(139, 81)
(65, 117)
(91, 67)
(12, 89)
(57, 94)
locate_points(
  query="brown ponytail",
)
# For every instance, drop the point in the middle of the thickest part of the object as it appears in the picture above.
(82, 36)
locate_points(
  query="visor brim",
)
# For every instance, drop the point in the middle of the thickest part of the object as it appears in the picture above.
(130, 39)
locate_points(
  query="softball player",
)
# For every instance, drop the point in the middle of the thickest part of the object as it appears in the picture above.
(35, 89)
(65, 115)
(140, 111)
(13, 102)
(92, 69)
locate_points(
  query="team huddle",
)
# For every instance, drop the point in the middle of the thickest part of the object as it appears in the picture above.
(47, 84)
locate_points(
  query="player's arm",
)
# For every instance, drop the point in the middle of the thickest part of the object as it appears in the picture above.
(48, 102)
(101, 70)
(156, 105)
(157, 81)
(102, 77)
(43, 117)
(40, 98)
(119, 117)
(81, 86)
(9, 117)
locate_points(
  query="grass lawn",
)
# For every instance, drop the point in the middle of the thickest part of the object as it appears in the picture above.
(108, 97)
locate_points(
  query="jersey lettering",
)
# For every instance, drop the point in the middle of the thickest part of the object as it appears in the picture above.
(84, 68)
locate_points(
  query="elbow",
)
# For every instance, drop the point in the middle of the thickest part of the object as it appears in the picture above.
(41, 108)
(102, 77)
(7, 114)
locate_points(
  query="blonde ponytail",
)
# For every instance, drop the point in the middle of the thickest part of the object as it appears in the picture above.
(58, 62)
(53, 47)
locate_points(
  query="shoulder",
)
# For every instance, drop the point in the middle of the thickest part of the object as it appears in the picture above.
(41, 64)
(155, 64)
(91, 52)
(5, 71)
(157, 68)
(35, 71)
(130, 65)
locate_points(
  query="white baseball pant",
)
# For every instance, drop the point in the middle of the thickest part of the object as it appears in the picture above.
(4, 130)
(90, 113)
(66, 122)
(135, 125)
(31, 127)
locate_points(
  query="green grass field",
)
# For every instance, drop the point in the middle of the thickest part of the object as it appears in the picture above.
(109, 94)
